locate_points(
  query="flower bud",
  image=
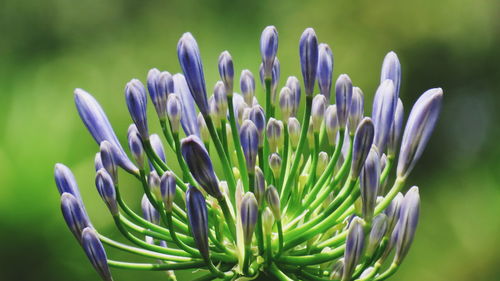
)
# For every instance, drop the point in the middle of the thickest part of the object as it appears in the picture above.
(96, 253)
(149, 212)
(286, 103)
(396, 127)
(154, 184)
(98, 162)
(275, 164)
(137, 100)
(337, 270)
(383, 113)
(158, 147)
(74, 214)
(407, 223)
(249, 137)
(273, 201)
(226, 71)
(392, 211)
(369, 183)
(363, 140)
(391, 69)
(331, 124)
(106, 189)
(267, 221)
(274, 133)
(108, 160)
(204, 132)
(323, 160)
(65, 181)
(99, 127)
(160, 84)
(379, 228)
(258, 117)
(367, 272)
(294, 85)
(294, 131)
(247, 86)
(192, 67)
(268, 48)
(220, 100)
(310, 134)
(318, 112)
(343, 98)
(174, 112)
(188, 114)
(308, 50)
(167, 190)
(356, 110)
(423, 117)
(198, 220)
(275, 77)
(325, 70)
(200, 165)
(135, 145)
(354, 248)
(260, 185)
(249, 211)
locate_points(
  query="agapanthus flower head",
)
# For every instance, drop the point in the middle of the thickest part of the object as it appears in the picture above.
(247, 191)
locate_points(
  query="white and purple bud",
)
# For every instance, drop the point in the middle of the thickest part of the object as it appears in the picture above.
(249, 138)
(200, 165)
(318, 111)
(65, 181)
(274, 133)
(323, 160)
(96, 253)
(421, 122)
(267, 221)
(294, 85)
(249, 211)
(331, 123)
(135, 145)
(158, 147)
(106, 189)
(308, 50)
(286, 103)
(74, 214)
(275, 77)
(268, 49)
(379, 229)
(204, 132)
(392, 211)
(273, 201)
(192, 67)
(108, 161)
(259, 185)
(247, 86)
(294, 131)
(391, 69)
(396, 129)
(275, 164)
(160, 84)
(325, 70)
(363, 140)
(174, 111)
(167, 189)
(258, 117)
(353, 248)
(220, 99)
(226, 71)
(98, 162)
(137, 100)
(198, 220)
(343, 98)
(188, 117)
(407, 223)
(369, 181)
(149, 212)
(383, 113)
(356, 110)
(154, 185)
(337, 270)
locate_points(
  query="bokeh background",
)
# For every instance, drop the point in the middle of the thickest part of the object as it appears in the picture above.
(48, 48)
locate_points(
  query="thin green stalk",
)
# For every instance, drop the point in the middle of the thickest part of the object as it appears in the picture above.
(278, 273)
(285, 153)
(133, 250)
(314, 165)
(313, 259)
(388, 273)
(155, 267)
(237, 144)
(246, 259)
(167, 132)
(259, 233)
(159, 165)
(280, 237)
(228, 217)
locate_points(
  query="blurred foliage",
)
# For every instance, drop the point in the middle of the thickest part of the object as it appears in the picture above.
(50, 47)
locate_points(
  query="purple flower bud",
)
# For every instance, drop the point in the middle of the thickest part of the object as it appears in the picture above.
(106, 189)
(369, 183)
(275, 77)
(200, 164)
(226, 71)
(260, 185)
(356, 110)
(392, 211)
(391, 69)
(396, 128)
(98, 162)
(343, 98)
(423, 117)
(363, 140)
(353, 248)
(294, 85)
(268, 48)
(286, 103)
(308, 50)
(74, 214)
(249, 137)
(407, 223)
(154, 184)
(205, 134)
(379, 228)
(248, 214)
(96, 253)
(158, 148)
(383, 113)
(275, 163)
(247, 86)
(135, 145)
(318, 112)
(325, 70)
(149, 212)
(108, 161)
(167, 188)
(294, 131)
(160, 84)
(99, 127)
(274, 133)
(174, 112)
(239, 107)
(273, 201)
(258, 117)
(65, 181)
(188, 117)
(190, 61)
(331, 123)
(220, 99)
(198, 220)
(135, 95)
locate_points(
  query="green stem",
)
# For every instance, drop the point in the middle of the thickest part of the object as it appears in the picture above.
(313, 259)
(388, 273)
(155, 267)
(259, 233)
(167, 132)
(285, 154)
(278, 273)
(237, 145)
(280, 237)
(229, 218)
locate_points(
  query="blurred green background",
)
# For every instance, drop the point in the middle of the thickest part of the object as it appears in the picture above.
(48, 48)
